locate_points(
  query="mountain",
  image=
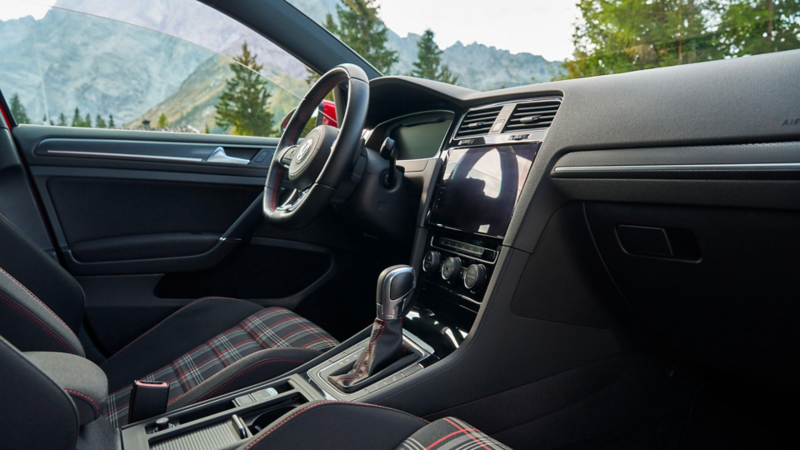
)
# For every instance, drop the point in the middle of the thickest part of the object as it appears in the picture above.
(103, 67)
(478, 67)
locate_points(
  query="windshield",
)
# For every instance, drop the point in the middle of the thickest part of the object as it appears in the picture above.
(491, 45)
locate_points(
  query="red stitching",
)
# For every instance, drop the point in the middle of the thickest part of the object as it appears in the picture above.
(327, 402)
(463, 430)
(276, 187)
(365, 355)
(40, 323)
(37, 299)
(234, 377)
(81, 394)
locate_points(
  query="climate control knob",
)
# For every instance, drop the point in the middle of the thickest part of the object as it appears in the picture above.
(475, 278)
(451, 268)
(431, 262)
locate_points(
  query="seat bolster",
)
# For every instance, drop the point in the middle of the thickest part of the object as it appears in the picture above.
(29, 324)
(179, 333)
(37, 414)
(248, 371)
(40, 273)
(337, 426)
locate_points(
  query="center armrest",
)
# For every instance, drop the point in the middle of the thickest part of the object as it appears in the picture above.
(83, 380)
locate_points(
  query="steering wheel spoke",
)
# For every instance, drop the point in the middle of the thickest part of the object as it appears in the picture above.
(285, 158)
(294, 200)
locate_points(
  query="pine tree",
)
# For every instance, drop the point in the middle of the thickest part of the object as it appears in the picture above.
(87, 122)
(62, 120)
(244, 104)
(206, 130)
(111, 121)
(429, 61)
(360, 28)
(752, 27)
(77, 121)
(622, 36)
(162, 121)
(18, 110)
(100, 122)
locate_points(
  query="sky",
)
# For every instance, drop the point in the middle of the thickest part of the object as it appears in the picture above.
(14, 9)
(541, 27)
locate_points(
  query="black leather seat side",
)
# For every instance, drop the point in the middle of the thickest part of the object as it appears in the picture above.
(36, 413)
(42, 275)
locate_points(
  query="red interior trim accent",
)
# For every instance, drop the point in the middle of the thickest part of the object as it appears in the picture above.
(9, 124)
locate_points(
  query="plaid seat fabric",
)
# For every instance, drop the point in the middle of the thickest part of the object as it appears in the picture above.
(272, 328)
(450, 434)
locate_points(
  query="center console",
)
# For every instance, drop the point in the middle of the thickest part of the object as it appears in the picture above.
(469, 212)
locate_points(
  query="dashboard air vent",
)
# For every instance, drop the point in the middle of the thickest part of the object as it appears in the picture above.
(532, 116)
(477, 122)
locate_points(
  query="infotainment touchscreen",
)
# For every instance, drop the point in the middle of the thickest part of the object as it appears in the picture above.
(480, 187)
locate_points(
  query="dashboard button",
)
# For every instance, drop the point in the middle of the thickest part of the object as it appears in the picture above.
(451, 268)
(475, 278)
(431, 262)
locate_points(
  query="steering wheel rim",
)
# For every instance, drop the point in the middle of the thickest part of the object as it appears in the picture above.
(316, 171)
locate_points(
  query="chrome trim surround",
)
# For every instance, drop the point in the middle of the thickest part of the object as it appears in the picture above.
(748, 167)
(331, 393)
(124, 156)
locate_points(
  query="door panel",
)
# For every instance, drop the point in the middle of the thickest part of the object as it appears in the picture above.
(146, 235)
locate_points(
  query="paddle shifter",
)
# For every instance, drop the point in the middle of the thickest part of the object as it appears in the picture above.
(385, 346)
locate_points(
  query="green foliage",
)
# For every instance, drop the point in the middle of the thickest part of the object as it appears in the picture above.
(18, 110)
(162, 121)
(62, 120)
(760, 26)
(360, 28)
(625, 35)
(87, 122)
(429, 61)
(244, 104)
(111, 121)
(99, 122)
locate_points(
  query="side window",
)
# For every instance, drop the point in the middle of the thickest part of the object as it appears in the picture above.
(168, 65)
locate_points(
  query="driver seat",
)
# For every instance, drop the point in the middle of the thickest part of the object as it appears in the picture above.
(207, 348)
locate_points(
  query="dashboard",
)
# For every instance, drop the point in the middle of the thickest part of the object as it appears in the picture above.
(638, 180)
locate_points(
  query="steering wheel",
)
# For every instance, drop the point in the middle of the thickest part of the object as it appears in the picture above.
(316, 166)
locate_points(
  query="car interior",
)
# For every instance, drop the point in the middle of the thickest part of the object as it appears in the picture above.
(597, 263)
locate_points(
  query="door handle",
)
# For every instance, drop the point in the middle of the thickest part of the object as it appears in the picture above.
(219, 156)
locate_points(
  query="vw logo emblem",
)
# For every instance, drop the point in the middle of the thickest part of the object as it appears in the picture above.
(304, 149)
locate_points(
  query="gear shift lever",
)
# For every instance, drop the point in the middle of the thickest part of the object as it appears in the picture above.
(385, 346)
(395, 285)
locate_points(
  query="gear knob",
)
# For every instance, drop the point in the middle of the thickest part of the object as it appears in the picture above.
(395, 285)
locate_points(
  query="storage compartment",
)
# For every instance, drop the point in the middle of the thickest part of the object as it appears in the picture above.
(727, 298)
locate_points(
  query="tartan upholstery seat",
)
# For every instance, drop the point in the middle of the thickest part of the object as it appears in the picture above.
(262, 346)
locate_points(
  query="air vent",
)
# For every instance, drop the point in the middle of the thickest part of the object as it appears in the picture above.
(532, 116)
(477, 122)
